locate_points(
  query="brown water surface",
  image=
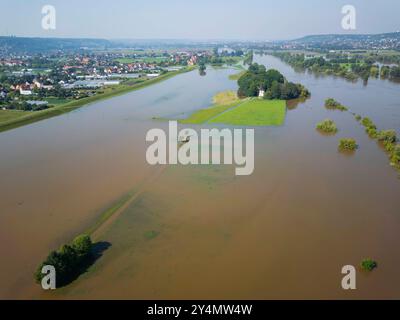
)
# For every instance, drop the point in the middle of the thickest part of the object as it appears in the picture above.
(200, 231)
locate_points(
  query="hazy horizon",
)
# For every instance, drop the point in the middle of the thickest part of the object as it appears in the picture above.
(256, 20)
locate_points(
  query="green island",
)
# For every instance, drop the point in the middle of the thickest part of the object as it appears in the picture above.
(327, 126)
(347, 144)
(69, 261)
(260, 100)
(10, 119)
(332, 104)
(368, 264)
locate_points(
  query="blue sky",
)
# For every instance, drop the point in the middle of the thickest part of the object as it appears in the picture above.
(200, 19)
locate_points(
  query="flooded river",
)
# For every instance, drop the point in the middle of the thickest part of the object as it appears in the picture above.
(200, 231)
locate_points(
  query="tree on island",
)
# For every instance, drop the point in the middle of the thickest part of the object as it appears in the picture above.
(68, 261)
(272, 82)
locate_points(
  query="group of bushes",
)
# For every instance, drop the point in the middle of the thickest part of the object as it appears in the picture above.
(327, 126)
(368, 264)
(68, 261)
(347, 144)
(395, 157)
(334, 105)
(370, 127)
(388, 138)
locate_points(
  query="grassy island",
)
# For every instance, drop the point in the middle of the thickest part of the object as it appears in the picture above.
(260, 100)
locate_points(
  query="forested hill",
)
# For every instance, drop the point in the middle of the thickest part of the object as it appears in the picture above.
(352, 41)
(24, 45)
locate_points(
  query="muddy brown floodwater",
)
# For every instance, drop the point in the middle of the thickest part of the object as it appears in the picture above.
(200, 231)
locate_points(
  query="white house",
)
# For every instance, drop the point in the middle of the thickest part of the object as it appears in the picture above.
(261, 93)
(110, 83)
(25, 92)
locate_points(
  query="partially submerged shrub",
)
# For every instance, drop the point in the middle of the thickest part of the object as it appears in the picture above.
(347, 144)
(334, 105)
(388, 138)
(327, 126)
(367, 122)
(368, 264)
(372, 132)
(358, 117)
(395, 156)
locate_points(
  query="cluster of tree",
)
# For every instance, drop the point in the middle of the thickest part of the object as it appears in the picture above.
(331, 103)
(68, 261)
(386, 58)
(349, 67)
(272, 82)
(388, 138)
(363, 70)
(25, 106)
(385, 72)
(56, 91)
(395, 72)
(286, 91)
(202, 67)
(226, 53)
(220, 60)
(248, 58)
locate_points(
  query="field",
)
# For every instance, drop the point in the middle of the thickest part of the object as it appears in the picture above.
(255, 112)
(56, 101)
(225, 97)
(9, 115)
(223, 101)
(205, 115)
(229, 109)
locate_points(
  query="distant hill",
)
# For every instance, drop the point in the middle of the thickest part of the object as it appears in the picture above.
(36, 45)
(343, 37)
(31, 46)
(351, 41)
(22, 45)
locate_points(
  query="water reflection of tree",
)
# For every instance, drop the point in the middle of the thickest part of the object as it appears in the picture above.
(292, 104)
(202, 69)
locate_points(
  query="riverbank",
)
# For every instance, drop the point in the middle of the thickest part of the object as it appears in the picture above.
(31, 117)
